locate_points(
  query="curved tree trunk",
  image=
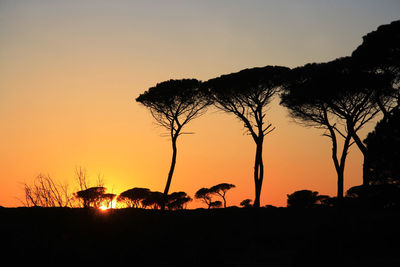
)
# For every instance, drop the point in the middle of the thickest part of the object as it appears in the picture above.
(170, 173)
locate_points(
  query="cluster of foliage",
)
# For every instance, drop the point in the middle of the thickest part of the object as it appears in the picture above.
(95, 197)
(144, 198)
(205, 195)
(306, 199)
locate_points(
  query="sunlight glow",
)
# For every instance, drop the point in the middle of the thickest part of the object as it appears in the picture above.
(103, 208)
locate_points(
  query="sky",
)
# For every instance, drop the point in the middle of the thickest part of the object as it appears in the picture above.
(70, 72)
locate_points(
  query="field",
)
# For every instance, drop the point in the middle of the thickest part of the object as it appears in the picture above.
(218, 237)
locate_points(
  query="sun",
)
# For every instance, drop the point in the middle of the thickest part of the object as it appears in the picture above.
(103, 208)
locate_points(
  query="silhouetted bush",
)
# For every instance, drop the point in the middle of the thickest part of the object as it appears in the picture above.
(91, 197)
(177, 201)
(375, 196)
(246, 203)
(134, 197)
(304, 199)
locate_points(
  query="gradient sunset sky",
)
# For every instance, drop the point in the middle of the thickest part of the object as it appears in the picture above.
(70, 72)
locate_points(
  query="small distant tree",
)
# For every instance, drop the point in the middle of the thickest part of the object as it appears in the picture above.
(177, 201)
(91, 197)
(304, 199)
(173, 104)
(153, 200)
(221, 189)
(134, 197)
(205, 195)
(246, 203)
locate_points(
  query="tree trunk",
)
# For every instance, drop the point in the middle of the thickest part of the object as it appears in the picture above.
(258, 173)
(171, 172)
(363, 149)
(223, 197)
(340, 174)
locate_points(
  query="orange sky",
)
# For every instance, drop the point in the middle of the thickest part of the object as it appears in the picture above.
(70, 73)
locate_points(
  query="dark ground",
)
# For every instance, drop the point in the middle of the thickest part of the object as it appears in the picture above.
(220, 237)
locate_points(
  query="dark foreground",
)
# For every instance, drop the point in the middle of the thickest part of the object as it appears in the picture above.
(230, 237)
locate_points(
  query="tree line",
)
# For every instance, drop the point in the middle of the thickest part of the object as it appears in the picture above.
(339, 97)
(44, 191)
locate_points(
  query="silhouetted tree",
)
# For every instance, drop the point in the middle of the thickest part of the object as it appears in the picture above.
(221, 189)
(91, 197)
(380, 53)
(173, 104)
(304, 199)
(246, 203)
(45, 192)
(205, 195)
(81, 178)
(153, 200)
(336, 97)
(134, 197)
(177, 201)
(383, 151)
(246, 94)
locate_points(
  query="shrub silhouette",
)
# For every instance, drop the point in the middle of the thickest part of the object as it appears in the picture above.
(153, 200)
(375, 196)
(134, 197)
(246, 203)
(304, 199)
(91, 197)
(177, 201)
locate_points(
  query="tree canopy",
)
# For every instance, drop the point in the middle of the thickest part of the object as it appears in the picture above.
(380, 53)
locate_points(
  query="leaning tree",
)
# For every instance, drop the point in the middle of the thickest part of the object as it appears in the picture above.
(221, 190)
(173, 104)
(337, 97)
(246, 94)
